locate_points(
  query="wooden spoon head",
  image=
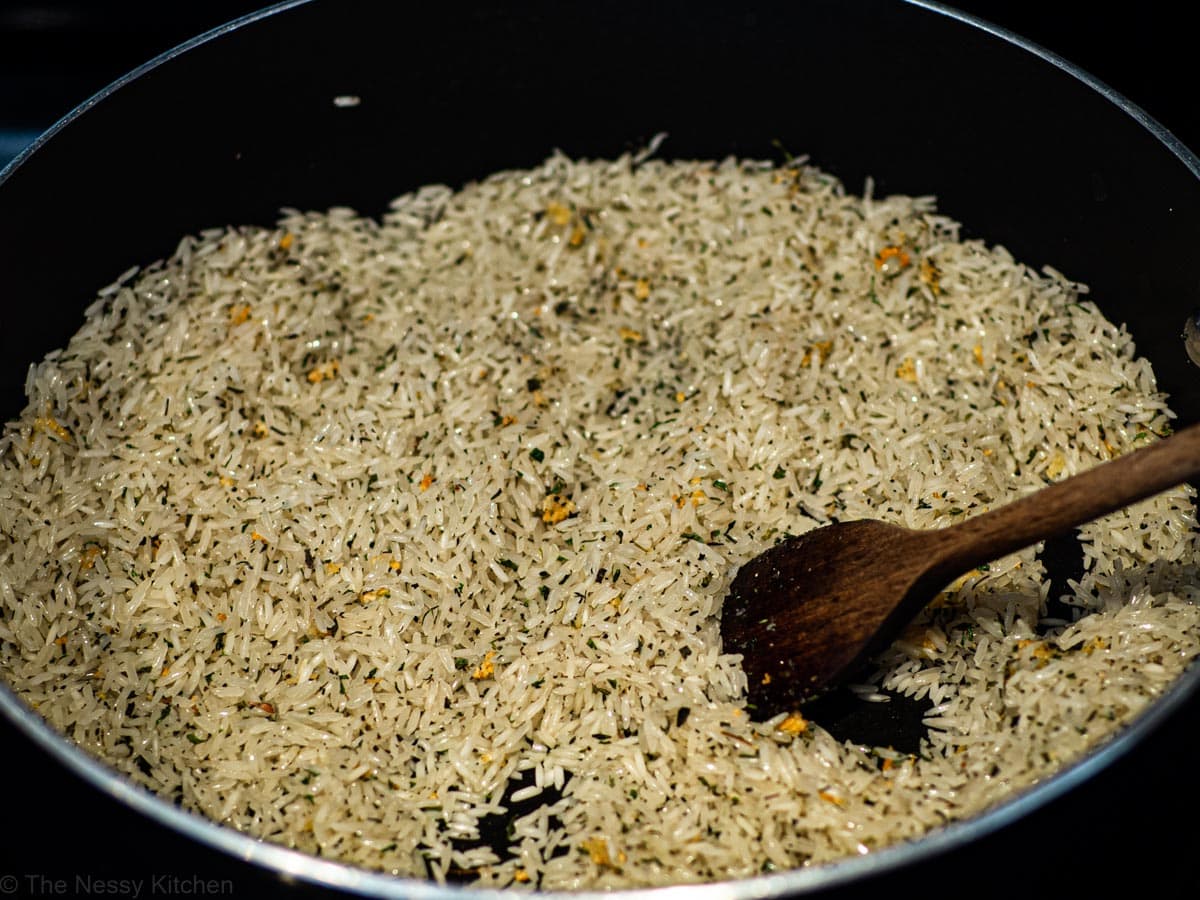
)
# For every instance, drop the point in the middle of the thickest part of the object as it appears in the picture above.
(812, 610)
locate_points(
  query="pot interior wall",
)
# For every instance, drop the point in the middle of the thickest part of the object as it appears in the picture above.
(238, 127)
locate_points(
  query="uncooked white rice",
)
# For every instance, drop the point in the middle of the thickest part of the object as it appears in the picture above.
(330, 530)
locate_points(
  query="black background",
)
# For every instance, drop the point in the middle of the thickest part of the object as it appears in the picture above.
(1132, 827)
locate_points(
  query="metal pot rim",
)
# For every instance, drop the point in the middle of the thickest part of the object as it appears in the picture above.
(293, 864)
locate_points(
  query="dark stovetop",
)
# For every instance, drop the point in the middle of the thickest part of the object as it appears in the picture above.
(1134, 823)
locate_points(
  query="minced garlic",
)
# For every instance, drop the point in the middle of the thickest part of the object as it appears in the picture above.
(487, 668)
(891, 260)
(326, 372)
(597, 849)
(47, 424)
(794, 724)
(555, 509)
(558, 214)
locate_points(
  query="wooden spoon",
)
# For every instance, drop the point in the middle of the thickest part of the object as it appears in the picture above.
(813, 609)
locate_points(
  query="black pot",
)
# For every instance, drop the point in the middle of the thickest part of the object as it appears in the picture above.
(318, 104)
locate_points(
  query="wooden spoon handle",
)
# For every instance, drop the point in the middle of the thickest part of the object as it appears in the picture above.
(1074, 501)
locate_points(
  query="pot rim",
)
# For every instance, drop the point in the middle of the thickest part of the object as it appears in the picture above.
(294, 864)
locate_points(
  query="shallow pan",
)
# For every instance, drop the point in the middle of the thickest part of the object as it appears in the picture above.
(312, 104)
